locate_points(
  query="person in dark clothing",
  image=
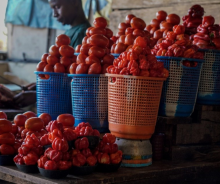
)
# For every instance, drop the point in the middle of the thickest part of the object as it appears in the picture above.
(70, 12)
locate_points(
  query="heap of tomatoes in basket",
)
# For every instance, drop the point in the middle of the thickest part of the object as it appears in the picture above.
(94, 55)
(59, 58)
(138, 61)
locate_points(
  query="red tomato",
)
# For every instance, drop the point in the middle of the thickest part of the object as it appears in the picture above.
(66, 119)
(155, 23)
(91, 160)
(29, 114)
(87, 31)
(44, 57)
(97, 51)
(6, 149)
(99, 40)
(166, 26)
(161, 15)
(65, 61)
(62, 39)
(46, 118)
(92, 59)
(100, 22)
(52, 60)
(59, 68)
(60, 145)
(20, 119)
(153, 29)
(82, 68)
(81, 58)
(129, 30)
(95, 68)
(140, 41)
(148, 28)
(40, 66)
(85, 49)
(123, 26)
(109, 33)
(178, 29)
(138, 32)
(128, 18)
(48, 68)
(108, 59)
(85, 40)
(158, 34)
(34, 124)
(104, 68)
(120, 33)
(14, 129)
(97, 30)
(208, 21)
(3, 115)
(72, 69)
(54, 51)
(77, 50)
(121, 39)
(173, 19)
(7, 138)
(5, 126)
(129, 39)
(20, 129)
(113, 48)
(137, 23)
(119, 48)
(66, 50)
(51, 165)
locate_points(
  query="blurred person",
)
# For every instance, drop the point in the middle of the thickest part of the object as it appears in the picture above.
(70, 12)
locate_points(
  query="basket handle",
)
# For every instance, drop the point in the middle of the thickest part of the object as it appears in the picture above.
(183, 66)
(44, 77)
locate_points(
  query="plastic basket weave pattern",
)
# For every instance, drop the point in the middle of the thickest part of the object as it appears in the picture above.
(90, 100)
(133, 104)
(180, 90)
(209, 86)
(53, 94)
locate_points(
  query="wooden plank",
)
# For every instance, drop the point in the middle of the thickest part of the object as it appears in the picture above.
(129, 4)
(147, 15)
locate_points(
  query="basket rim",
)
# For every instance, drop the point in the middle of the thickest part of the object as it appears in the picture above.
(115, 54)
(136, 77)
(50, 73)
(180, 58)
(86, 75)
(209, 50)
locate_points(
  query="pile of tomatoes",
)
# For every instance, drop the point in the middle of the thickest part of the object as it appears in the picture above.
(94, 55)
(138, 61)
(59, 58)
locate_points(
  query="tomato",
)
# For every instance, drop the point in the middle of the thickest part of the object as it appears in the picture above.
(178, 29)
(95, 68)
(54, 51)
(99, 40)
(62, 39)
(137, 23)
(129, 30)
(109, 33)
(216, 41)
(3, 115)
(7, 138)
(161, 15)
(140, 41)
(92, 59)
(105, 159)
(85, 49)
(165, 33)
(108, 59)
(120, 33)
(128, 18)
(85, 40)
(44, 57)
(87, 31)
(40, 66)
(5, 126)
(81, 143)
(119, 48)
(82, 68)
(59, 68)
(20, 119)
(29, 114)
(60, 145)
(65, 61)
(138, 32)
(41, 161)
(66, 119)
(123, 26)
(104, 68)
(97, 51)
(6, 149)
(153, 29)
(113, 48)
(20, 129)
(208, 21)
(14, 129)
(52, 60)
(77, 50)
(109, 138)
(173, 19)
(116, 157)
(66, 50)
(155, 23)
(100, 22)
(72, 69)
(97, 30)
(48, 68)
(34, 124)
(121, 39)
(158, 34)
(166, 26)
(46, 118)
(149, 27)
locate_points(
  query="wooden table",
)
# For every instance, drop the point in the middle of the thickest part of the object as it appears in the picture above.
(160, 172)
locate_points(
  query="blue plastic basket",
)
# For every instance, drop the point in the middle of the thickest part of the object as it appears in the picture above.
(53, 94)
(209, 86)
(180, 89)
(90, 100)
(115, 55)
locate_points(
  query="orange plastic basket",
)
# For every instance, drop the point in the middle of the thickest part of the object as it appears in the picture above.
(133, 104)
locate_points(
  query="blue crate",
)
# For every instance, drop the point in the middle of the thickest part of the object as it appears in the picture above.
(90, 100)
(53, 94)
(180, 89)
(209, 86)
(115, 55)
